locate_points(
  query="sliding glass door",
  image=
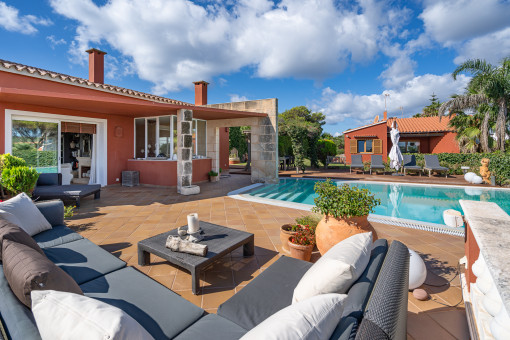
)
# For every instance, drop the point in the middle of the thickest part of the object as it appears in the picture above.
(37, 142)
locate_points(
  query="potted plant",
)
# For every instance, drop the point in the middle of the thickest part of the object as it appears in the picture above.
(302, 243)
(345, 212)
(213, 176)
(286, 231)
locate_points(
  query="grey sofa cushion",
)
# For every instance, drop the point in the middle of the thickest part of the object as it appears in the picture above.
(359, 293)
(49, 179)
(160, 311)
(65, 191)
(56, 236)
(83, 260)
(19, 323)
(53, 211)
(268, 293)
(212, 327)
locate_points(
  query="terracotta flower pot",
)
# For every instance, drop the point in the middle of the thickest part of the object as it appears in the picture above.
(285, 234)
(331, 231)
(300, 252)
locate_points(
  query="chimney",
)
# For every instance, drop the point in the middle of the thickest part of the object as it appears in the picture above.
(385, 115)
(201, 92)
(96, 65)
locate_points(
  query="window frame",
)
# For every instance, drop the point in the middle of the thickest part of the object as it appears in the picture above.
(364, 146)
(411, 141)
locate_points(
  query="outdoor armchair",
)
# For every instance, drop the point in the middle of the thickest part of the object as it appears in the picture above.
(410, 164)
(356, 163)
(432, 164)
(376, 162)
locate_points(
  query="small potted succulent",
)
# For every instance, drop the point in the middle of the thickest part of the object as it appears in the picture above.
(302, 243)
(345, 212)
(286, 231)
(213, 176)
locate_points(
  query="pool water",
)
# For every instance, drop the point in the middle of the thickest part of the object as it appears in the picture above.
(424, 203)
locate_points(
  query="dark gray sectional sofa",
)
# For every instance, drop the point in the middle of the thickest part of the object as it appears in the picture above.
(49, 186)
(376, 307)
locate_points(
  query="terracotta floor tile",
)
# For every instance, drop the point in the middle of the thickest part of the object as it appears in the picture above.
(213, 297)
(213, 279)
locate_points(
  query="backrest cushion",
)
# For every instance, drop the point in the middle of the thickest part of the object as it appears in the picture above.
(10, 231)
(49, 179)
(356, 159)
(28, 217)
(61, 315)
(338, 269)
(26, 270)
(313, 318)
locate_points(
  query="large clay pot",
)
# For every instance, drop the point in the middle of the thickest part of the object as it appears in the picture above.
(300, 252)
(332, 230)
(285, 234)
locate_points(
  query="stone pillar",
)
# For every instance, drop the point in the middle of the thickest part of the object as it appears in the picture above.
(184, 148)
(264, 150)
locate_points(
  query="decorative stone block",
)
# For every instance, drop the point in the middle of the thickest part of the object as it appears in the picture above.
(265, 139)
(185, 128)
(188, 141)
(186, 180)
(186, 154)
(188, 115)
(188, 168)
(190, 190)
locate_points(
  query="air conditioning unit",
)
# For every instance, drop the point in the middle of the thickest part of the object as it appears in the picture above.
(130, 178)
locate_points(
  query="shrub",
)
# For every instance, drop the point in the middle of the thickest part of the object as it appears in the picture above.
(284, 146)
(325, 148)
(37, 158)
(8, 161)
(212, 173)
(344, 201)
(311, 220)
(19, 179)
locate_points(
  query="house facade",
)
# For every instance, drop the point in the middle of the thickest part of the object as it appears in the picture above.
(52, 120)
(417, 135)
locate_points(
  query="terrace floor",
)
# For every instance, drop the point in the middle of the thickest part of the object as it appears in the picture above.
(123, 216)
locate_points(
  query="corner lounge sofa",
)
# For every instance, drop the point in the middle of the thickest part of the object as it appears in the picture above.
(376, 306)
(49, 186)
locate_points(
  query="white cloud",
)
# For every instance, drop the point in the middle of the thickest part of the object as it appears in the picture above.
(337, 134)
(237, 98)
(173, 43)
(492, 47)
(338, 106)
(399, 73)
(54, 42)
(11, 20)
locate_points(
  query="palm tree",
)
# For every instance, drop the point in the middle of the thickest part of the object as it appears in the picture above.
(469, 131)
(490, 85)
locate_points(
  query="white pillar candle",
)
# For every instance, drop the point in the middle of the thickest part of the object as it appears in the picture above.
(193, 223)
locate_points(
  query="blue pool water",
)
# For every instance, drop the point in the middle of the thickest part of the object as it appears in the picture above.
(424, 203)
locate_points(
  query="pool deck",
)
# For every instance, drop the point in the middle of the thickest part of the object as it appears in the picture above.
(124, 216)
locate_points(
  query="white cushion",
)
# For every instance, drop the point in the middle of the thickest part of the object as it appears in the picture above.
(337, 270)
(314, 318)
(61, 315)
(28, 217)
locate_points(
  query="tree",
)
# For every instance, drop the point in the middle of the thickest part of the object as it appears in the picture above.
(490, 85)
(236, 139)
(430, 110)
(468, 128)
(34, 133)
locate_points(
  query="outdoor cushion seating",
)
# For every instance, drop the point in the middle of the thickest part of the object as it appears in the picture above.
(49, 186)
(410, 164)
(166, 315)
(432, 164)
(356, 163)
(376, 162)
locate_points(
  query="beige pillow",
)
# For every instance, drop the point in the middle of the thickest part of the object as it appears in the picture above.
(62, 315)
(314, 318)
(26, 214)
(337, 270)
(26, 270)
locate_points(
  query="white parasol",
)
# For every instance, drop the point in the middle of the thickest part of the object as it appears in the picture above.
(395, 155)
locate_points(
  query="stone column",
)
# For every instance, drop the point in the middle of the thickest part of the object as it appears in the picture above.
(264, 150)
(184, 148)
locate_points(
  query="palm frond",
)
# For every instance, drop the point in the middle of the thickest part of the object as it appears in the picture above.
(462, 102)
(474, 66)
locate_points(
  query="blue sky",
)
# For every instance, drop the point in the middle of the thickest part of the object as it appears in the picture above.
(338, 57)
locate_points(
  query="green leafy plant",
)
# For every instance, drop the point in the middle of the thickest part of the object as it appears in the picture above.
(8, 161)
(344, 201)
(325, 148)
(291, 227)
(311, 220)
(212, 173)
(69, 211)
(304, 236)
(19, 179)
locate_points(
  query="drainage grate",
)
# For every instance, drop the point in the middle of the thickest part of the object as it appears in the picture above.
(438, 229)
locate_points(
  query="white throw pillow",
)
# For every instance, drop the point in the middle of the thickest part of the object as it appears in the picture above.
(337, 270)
(28, 217)
(61, 315)
(314, 318)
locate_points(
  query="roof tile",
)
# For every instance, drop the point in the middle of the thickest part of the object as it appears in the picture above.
(421, 124)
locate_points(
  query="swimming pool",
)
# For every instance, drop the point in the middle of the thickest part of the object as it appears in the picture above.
(409, 202)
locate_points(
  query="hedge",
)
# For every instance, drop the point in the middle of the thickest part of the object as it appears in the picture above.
(36, 158)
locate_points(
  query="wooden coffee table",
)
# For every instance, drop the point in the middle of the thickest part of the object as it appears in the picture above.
(219, 240)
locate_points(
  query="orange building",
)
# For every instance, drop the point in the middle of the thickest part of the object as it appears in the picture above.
(417, 135)
(101, 130)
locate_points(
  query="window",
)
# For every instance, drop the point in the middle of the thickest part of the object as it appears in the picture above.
(409, 147)
(156, 137)
(366, 146)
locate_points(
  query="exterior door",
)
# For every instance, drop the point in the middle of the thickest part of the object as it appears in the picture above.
(38, 143)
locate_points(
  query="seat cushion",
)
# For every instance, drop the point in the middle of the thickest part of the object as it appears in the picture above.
(212, 327)
(359, 293)
(83, 260)
(10, 231)
(56, 236)
(18, 320)
(27, 270)
(268, 293)
(65, 191)
(160, 311)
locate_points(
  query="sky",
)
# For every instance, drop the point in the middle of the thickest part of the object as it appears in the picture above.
(336, 57)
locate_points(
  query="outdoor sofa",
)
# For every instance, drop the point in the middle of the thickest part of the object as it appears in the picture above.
(376, 163)
(49, 186)
(376, 306)
(356, 163)
(432, 164)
